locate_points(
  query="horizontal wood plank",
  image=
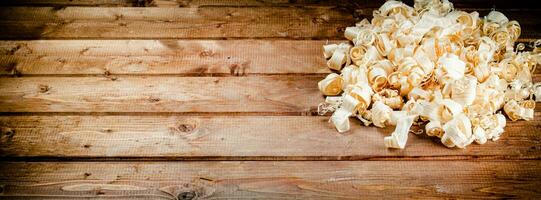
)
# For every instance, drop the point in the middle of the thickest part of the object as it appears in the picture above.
(284, 94)
(353, 4)
(179, 48)
(272, 180)
(196, 3)
(171, 137)
(104, 3)
(186, 3)
(161, 57)
(206, 22)
(320, 22)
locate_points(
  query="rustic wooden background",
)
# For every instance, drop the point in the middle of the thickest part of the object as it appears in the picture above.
(217, 99)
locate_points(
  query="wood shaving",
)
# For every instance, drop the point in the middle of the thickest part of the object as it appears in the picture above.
(452, 71)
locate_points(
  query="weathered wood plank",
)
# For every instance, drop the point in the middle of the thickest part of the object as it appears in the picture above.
(182, 57)
(284, 94)
(195, 3)
(104, 3)
(162, 57)
(192, 65)
(190, 15)
(161, 47)
(201, 22)
(206, 22)
(169, 137)
(354, 4)
(161, 65)
(272, 180)
(317, 15)
(185, 3)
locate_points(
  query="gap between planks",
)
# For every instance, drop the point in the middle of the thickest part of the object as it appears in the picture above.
(31, 159)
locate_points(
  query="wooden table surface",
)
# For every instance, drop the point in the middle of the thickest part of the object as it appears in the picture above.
(217, 99)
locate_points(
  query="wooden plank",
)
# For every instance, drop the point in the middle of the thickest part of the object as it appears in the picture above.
(160, 47)
(272, 180)
(353, 4)
(108, 3)
(162, 57)
(171, 57)
(322, 22)
(212, 137)
(196, 3)
(205, 22)
(185, 3)
(191, 3)
(319, 15)
(192, 65)
(284, 94)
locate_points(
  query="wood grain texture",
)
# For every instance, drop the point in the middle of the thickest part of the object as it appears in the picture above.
(188, 3)
(272, 180)
(170, 137)
(353, 4)
(86, 104)
(200, 3)
(102, 3)
(162, 57)
(284, 94)
(196, 3)
(305, 22)
(205, 22)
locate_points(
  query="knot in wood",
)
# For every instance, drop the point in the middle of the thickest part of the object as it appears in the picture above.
(187, 195)
(186, 127)
(154, 99)
(6, 132)
(108, 75)
(320, 19)
(206, 53)
(44, 88)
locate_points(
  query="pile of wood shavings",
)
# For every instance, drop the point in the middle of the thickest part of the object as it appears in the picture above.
(449, 71)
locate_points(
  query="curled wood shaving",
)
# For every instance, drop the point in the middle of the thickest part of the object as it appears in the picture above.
(399, 137)
(331, 85)
(516, 110)
(340, 117)
(452, 71)
(381, 114)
